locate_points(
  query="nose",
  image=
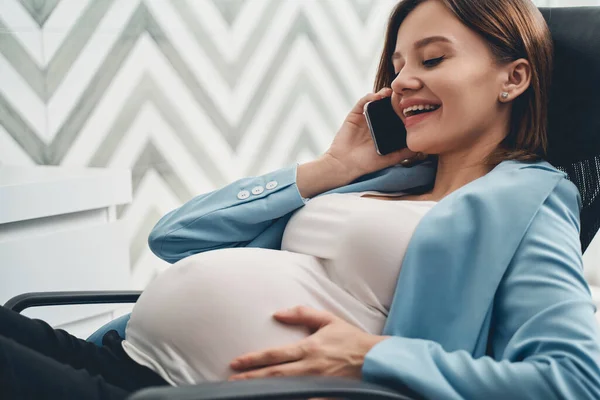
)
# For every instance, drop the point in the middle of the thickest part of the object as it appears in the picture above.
(406, 80)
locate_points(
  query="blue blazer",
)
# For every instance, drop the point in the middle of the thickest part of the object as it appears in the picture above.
(491, 300)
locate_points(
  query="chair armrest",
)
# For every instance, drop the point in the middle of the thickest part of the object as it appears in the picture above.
(303, 387)
(38, 299)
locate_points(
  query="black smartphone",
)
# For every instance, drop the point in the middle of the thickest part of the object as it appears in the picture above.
(387, 129)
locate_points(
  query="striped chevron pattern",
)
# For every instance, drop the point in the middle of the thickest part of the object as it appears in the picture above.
(189, 94)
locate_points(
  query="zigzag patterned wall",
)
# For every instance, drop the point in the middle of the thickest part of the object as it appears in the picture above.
(189, 94)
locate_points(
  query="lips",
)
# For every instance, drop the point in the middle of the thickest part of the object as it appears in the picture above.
(415, 119)
(416, 101)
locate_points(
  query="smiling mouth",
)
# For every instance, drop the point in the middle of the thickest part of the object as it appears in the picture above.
(421, 110)
(418, 117)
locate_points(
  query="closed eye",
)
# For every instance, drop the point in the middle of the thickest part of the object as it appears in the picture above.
(433, 62)
(427, 63)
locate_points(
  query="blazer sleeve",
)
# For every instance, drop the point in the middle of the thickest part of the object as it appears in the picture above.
(229, 217)
(545, 340)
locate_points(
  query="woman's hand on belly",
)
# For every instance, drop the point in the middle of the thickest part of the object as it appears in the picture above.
(335, 348)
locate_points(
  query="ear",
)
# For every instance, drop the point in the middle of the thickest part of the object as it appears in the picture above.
(517, 77)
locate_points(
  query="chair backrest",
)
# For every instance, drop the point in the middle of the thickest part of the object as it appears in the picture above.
(574, 108)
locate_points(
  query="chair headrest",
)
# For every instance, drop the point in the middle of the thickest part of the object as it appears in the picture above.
(574, 105)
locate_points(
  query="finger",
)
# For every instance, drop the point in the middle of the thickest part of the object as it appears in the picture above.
(268, 357)
(360, 105)
(291, 369)
(386, 91)
(309, 317)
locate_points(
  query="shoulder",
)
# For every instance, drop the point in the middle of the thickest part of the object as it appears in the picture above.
(558, 213)
(510, 197)
(551, 245)
(564, 192)
(523, 169)
(523, 180)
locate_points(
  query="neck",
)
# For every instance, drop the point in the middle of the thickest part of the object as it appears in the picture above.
(466, 163)
(456, 170)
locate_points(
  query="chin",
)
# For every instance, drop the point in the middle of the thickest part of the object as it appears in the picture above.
(416, 145)
(422, 143)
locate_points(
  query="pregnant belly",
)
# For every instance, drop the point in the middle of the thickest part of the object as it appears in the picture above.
(207, 309)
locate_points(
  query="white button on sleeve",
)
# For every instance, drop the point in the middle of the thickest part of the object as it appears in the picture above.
(271, 185)
(243, 194)
(257, 190)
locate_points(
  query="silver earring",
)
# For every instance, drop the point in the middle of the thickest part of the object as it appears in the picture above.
(504, 95)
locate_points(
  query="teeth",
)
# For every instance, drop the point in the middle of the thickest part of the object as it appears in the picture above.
(408, 111)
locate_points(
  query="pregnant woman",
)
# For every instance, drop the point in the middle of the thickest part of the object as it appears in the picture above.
(341, 253)
(459, 276)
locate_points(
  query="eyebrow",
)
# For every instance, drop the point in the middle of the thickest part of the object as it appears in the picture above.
(422, 43)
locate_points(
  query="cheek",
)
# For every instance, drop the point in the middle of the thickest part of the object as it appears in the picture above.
(467, 97)
(462, 84)
(465, 92)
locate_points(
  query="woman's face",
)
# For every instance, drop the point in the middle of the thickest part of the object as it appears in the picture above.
(457, 73)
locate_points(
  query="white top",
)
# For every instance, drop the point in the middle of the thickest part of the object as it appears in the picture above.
(340, 252)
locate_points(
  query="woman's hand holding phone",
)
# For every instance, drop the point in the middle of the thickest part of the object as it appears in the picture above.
(351, 155)
(353, 148)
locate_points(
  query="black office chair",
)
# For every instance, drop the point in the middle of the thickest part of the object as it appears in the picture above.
(574, 147)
